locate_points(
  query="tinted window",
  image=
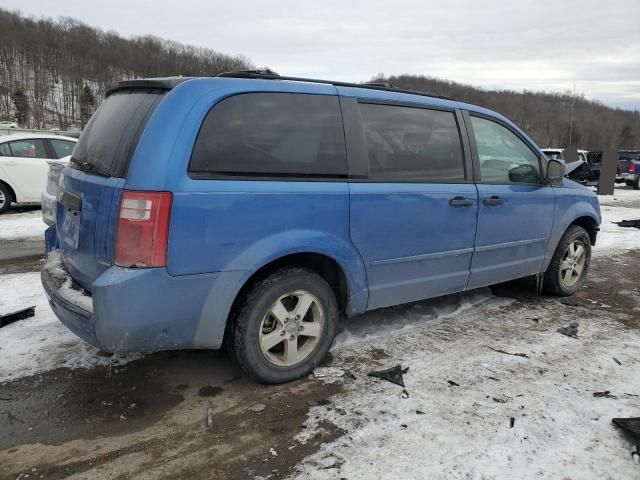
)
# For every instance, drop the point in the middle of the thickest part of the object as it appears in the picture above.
(62, 148)
(272, 134)
(4, 150)
(504, 158)
(28, 148)
(111, 136)
(412, 144)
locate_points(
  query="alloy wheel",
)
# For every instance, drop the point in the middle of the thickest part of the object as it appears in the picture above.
(291, 329)
(573, 263)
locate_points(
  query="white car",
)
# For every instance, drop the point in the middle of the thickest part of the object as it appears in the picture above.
(8, 124)
(24, 167)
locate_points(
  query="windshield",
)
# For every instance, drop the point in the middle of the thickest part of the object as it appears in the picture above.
(111, 136)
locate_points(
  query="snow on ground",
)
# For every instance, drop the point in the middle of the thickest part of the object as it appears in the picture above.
(40, 343)
(463, 432)
(623, 205)
(24, 225)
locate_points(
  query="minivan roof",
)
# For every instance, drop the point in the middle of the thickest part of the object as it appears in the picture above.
(168, 83)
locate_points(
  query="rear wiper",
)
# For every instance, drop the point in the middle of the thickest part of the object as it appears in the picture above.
(87, 167)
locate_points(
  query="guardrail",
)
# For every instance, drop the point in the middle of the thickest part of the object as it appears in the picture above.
(11, 131)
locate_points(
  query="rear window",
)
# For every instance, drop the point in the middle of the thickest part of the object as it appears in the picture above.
(272, 135)
(108, 141)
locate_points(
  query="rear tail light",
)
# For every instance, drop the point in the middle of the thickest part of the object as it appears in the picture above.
(142, 230)
(632, 167)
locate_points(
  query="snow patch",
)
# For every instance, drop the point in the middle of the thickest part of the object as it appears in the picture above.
(27, 225)
(40, 343)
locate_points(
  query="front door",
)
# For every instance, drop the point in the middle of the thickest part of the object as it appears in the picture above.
(516, 206)
(413, 217)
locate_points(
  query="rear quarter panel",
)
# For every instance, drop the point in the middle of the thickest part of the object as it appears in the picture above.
(236, 225)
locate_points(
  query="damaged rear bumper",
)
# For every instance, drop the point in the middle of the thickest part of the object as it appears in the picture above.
(73, 314)
(143, 310)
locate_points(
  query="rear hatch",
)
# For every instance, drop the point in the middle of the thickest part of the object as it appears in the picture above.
(93, 182)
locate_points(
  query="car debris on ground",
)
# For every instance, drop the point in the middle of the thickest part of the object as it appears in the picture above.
(523, 355)
(628, 223)
(570, 330)
(9, 318)
(393, 374)
(631, 426)
(605, 394)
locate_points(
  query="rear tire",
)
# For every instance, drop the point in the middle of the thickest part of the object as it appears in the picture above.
(636, 183)
(570, 263)
(5, 198)
(285, 326)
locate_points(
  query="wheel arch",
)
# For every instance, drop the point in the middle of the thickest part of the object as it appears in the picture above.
(14, 197)
(329, 268)
(589, 224)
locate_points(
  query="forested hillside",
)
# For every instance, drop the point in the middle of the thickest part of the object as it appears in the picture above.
(53, 73)
(546, 117)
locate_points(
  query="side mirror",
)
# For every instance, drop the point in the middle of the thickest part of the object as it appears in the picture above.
(555, 170)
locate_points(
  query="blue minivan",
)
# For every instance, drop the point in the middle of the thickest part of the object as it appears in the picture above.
(252, 210)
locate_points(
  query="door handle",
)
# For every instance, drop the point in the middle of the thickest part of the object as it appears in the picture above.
(12, 164)
(493, 201)
(460, 202)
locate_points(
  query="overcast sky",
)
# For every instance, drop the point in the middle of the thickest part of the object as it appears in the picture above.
(524, 44)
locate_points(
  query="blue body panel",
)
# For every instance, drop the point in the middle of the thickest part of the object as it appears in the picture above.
(395, 242)
(414, 244)
(511, 239)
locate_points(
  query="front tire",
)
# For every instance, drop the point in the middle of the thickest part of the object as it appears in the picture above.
(570, 262)
(286, 326)
(5, 198)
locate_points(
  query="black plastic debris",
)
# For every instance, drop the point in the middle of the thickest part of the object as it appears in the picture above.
(393, 374)
(570, 330)
(523, 355)
(15, 316)
(630, 425)
(452, 383)
(605, 394)
(512, 422)
(629, 223)
(404, 394)
(617, 361)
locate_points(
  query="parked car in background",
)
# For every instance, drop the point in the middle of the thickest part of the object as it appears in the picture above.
(586, 169)
(630, 167)
(8, 124)
(49, 199)
(252, 210)
(24, 167)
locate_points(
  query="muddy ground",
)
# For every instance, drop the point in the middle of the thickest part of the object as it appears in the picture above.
(148, 418)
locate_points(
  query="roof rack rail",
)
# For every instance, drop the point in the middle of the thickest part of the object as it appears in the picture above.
(268, 74)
